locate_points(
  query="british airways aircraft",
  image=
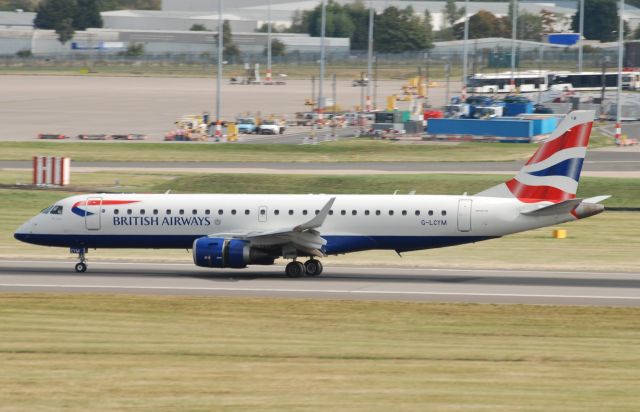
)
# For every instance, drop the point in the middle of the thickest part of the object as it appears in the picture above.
(233, 231)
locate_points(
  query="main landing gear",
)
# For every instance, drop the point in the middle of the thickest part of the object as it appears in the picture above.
(81, 266)
(297, 269)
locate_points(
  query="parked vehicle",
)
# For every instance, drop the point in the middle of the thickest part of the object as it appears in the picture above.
(246, 125)
(270, 127)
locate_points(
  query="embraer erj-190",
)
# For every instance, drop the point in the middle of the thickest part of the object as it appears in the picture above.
(233, 231)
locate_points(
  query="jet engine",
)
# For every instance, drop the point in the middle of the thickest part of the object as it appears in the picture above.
(217, 252)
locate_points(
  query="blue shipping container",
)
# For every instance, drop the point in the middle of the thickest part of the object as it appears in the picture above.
(493, 127)
(544, 125)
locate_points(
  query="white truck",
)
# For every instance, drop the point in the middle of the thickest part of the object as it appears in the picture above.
(270, 127)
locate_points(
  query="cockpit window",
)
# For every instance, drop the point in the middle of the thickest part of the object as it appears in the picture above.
(46, 210)
(56, 210)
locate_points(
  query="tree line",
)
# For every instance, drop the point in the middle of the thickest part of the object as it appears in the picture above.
(396, 29)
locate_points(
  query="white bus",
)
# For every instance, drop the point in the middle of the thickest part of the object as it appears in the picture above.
(593, 80)
(530, 81)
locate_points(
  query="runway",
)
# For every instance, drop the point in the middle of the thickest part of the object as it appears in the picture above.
(352, 283)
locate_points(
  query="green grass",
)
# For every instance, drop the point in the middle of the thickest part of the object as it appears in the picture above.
(351, 150)
(98, 353)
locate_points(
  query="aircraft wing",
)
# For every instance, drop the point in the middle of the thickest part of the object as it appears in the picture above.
(302, 237)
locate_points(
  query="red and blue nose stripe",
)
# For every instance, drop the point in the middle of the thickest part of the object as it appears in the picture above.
(78, 210)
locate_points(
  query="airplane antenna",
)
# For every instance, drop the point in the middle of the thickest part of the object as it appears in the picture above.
(413, 192)
(167, 192)
(395, 192)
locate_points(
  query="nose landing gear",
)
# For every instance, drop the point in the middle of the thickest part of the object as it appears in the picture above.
(81, 266)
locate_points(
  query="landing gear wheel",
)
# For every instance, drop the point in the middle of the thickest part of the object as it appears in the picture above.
(294, 269)
(81, 267)
(313, 267)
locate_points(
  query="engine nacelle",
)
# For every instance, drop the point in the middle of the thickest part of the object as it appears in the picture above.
(217, 252)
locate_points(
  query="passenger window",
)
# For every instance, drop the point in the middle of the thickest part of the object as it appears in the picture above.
(168, 211)
(417, 213)
(116, 211)
(207, 212)
(390, 212)
(233, 211)
(56, 210)
(276, 212)
(181, 211)
(194, 211)
(430, 213)
(220, 211)
(366, 212)
(246, 211)
(377, 213)
(404, 213)
(330, 212)
(444, 213)
(142, 211)
(343, 212)
(155, 211)
(290, 211)
(304, 212)
(317, 212)
(129, 211)
(354, 212)
(263, 212)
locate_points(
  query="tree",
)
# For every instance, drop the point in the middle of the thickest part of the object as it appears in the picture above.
(87, 14)
(67, 16)
(401, 30)
(529, 27)
(600, 20)
(198, 27)
(451, 13)
(548, 20)
(230, 51)
(278, 48)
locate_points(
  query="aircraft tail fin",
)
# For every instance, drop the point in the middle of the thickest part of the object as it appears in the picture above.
(553, 172)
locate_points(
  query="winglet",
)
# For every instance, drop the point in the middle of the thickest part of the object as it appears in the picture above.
(318, 220)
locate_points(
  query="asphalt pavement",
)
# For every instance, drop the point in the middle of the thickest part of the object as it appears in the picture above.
(352, 283)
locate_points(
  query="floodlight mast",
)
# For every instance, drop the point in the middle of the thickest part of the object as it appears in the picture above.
(619, 89)
(219, 70)
(269, 76)
(370, 56)
(323, 24)
(465, 50)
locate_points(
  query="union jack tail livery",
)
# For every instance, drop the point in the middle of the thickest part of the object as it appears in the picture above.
(553, 172)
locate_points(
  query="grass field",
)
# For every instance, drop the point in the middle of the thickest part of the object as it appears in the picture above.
(348, 150)
(605, 242)
(96, 352)
(342, 151)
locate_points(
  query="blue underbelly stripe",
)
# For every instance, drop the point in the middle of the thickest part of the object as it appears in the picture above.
(335, 244)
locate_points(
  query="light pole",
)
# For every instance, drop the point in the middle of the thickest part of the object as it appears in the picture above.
(514, 26)
(465, 50)
(218, 132)
(369, 56)
(323, 24)
(269, 79)
(581, 35)
(619, 89)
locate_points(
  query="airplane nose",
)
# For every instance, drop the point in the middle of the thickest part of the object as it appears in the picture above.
(23, 232)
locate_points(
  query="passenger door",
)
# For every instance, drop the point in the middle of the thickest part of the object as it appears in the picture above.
(464, 215)
(93, 212)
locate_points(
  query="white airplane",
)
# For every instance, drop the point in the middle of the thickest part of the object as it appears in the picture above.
(233, 231)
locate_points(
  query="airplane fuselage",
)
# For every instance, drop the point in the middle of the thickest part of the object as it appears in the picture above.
(355, 222)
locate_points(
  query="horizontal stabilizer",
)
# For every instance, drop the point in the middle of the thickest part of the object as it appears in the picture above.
(563, 207)
(597, 199)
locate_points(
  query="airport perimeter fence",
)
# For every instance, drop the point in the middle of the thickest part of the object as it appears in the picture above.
(409, 63)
